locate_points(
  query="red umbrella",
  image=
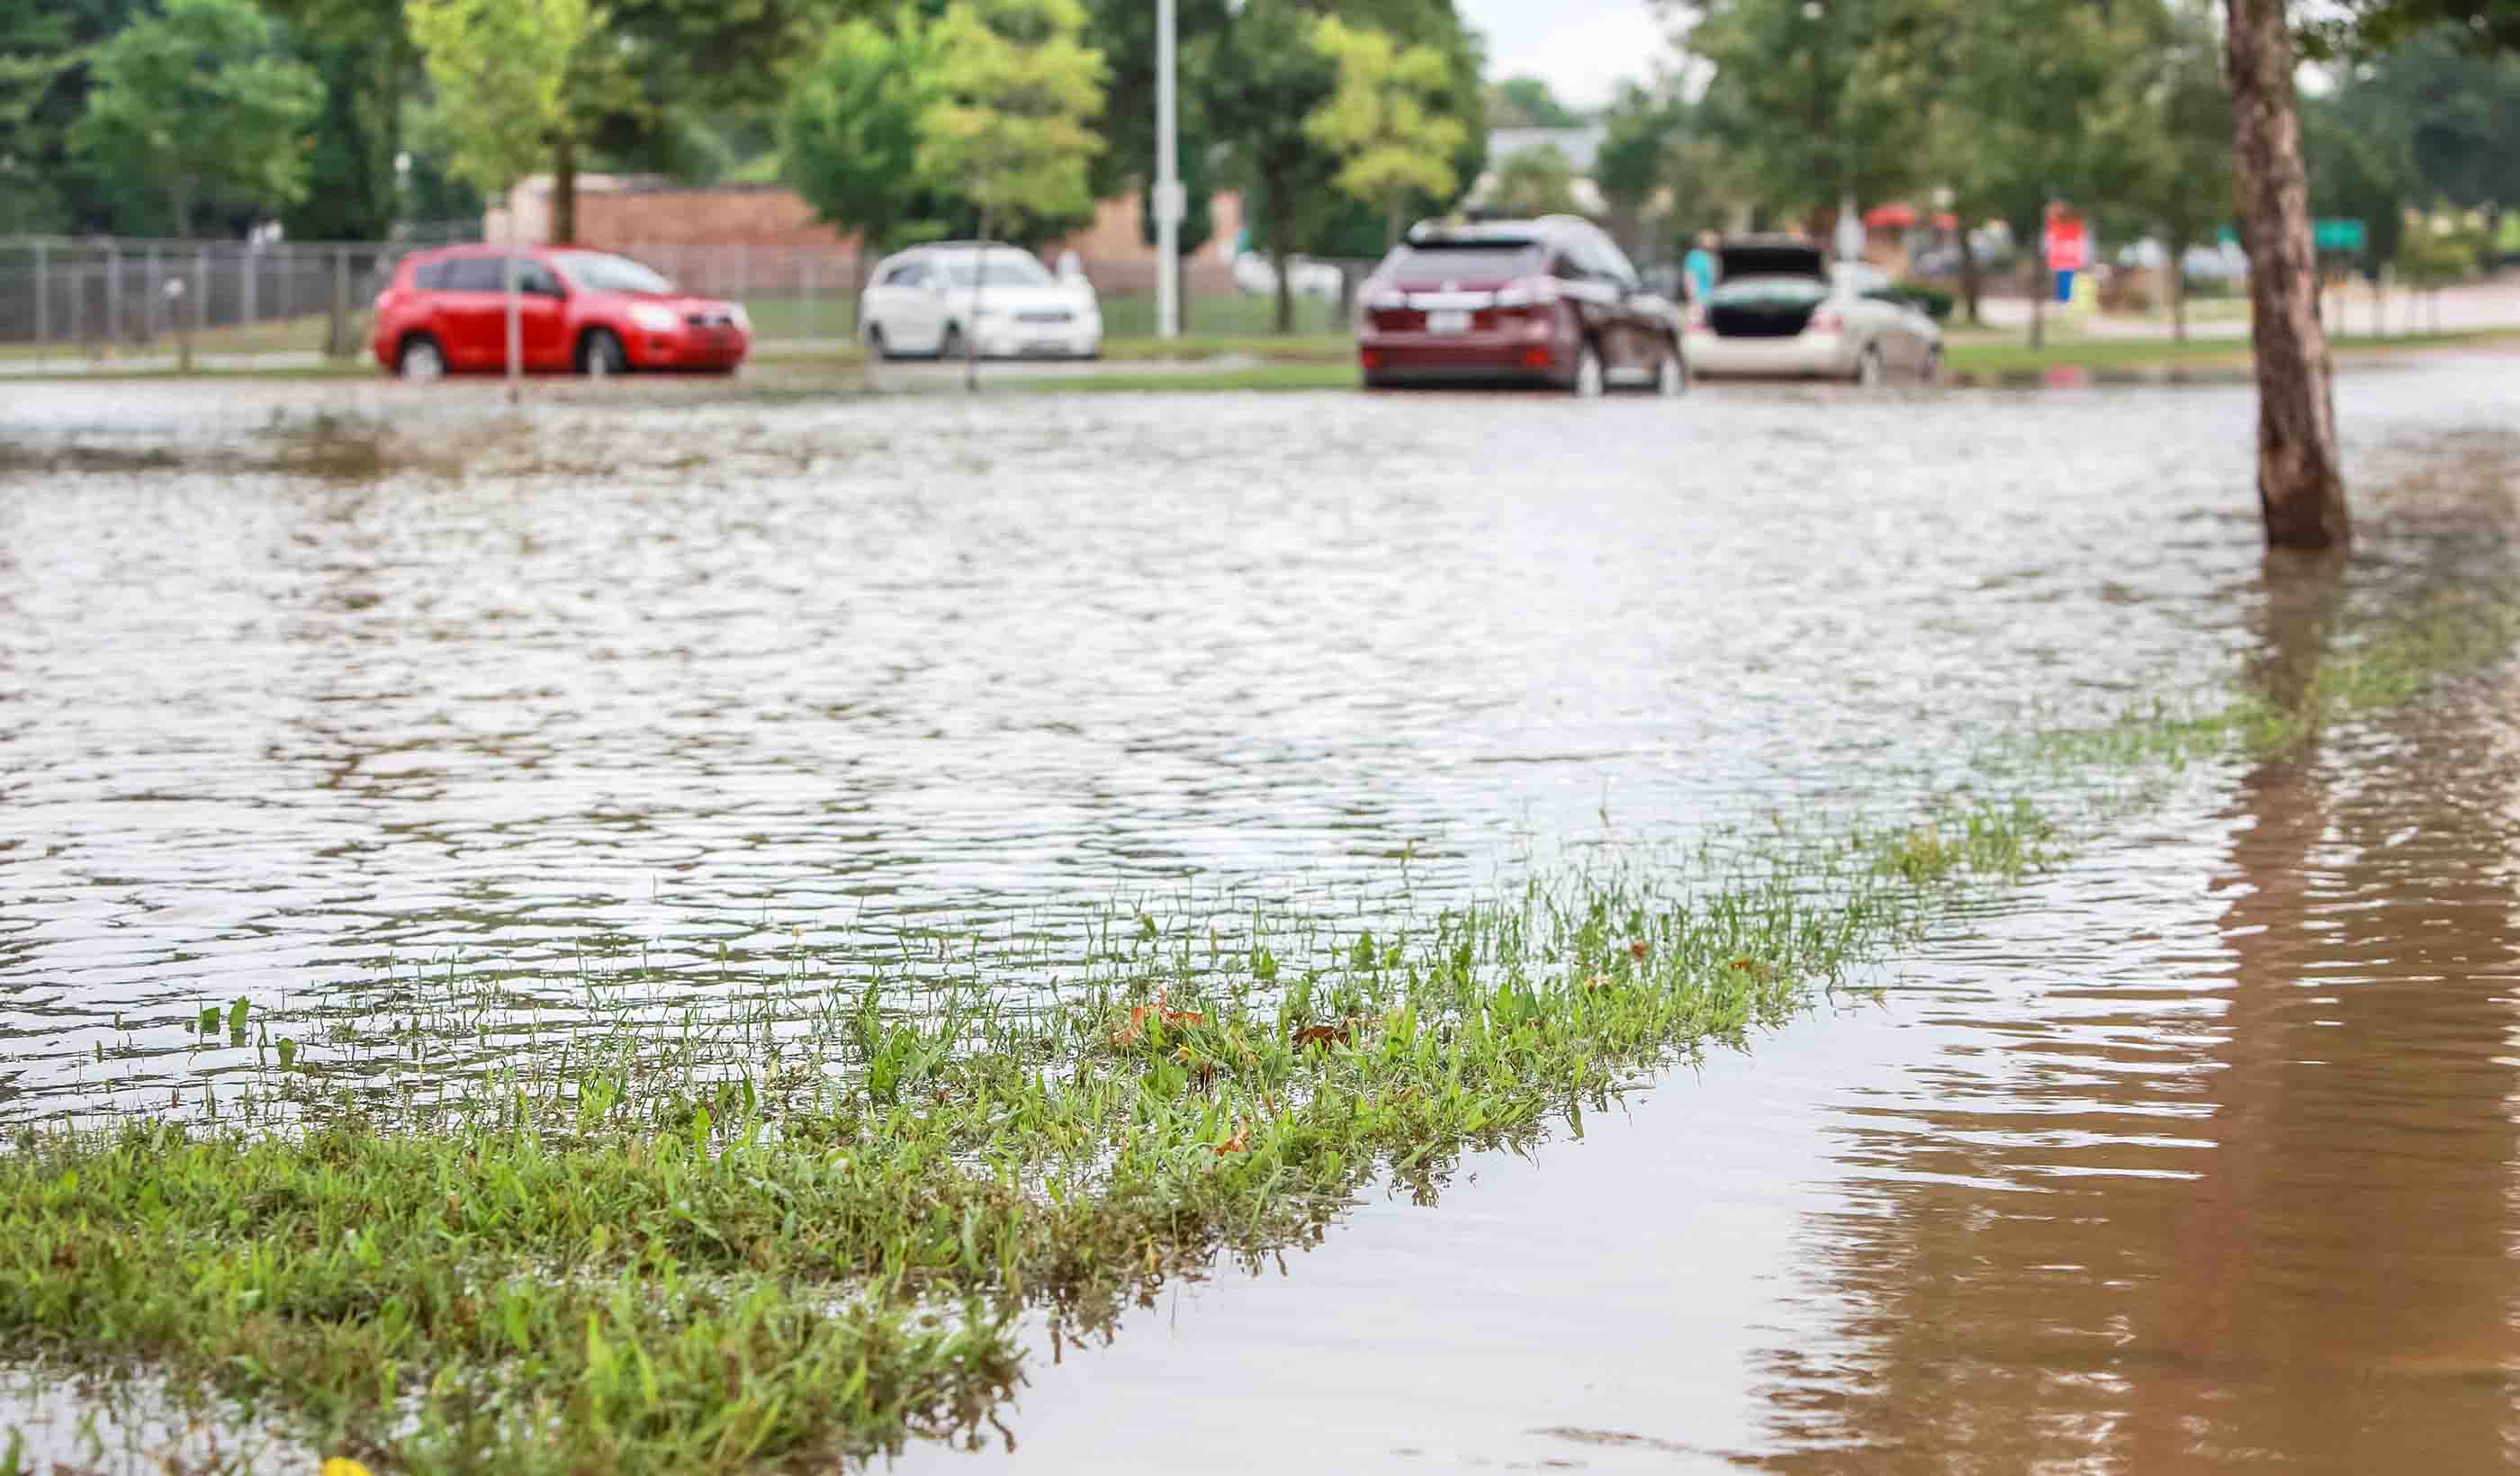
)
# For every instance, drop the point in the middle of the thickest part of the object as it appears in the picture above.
(1890, 217)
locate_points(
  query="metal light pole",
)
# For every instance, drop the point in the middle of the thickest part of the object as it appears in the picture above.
(1168, 185)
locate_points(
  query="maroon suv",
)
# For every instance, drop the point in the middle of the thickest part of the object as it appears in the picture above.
(1547, 302)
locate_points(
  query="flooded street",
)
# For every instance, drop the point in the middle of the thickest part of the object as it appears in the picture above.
(2194, 1153)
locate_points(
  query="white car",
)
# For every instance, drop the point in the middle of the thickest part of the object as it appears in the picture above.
(1779, 309)
(1255, 277)
(955, 296)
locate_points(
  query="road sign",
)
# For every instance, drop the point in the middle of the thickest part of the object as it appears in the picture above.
(2068, 245)
(2346, 235)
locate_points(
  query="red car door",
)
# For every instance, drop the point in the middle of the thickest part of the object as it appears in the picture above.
(471, 313)
(542, 314)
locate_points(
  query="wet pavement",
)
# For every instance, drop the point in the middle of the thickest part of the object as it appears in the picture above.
(2193, 1154)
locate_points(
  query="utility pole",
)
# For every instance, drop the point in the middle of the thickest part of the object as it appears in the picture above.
(1168, 185)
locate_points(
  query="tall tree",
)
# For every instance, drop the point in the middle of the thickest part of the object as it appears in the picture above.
(2369, 26)
(1820, 100)
(2457, 110)
(202, 101)
(1527, 103)
(2301, 487)
(363, 52)
(1630, 169)
(2361, 168)
(1533, 181)
(660, 64)
(1383, 119)
(2181, 185)
(1010, 120)
(499, 68)
(46, 51)
(1265, 81)
(850, 133)
(2033, 101)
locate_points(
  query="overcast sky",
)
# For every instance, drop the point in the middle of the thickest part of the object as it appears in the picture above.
(1582, 49)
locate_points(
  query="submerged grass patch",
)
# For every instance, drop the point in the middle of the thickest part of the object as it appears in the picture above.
(611, 1259)
(610, 1272)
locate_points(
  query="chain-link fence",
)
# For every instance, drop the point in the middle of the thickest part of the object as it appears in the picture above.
(66, 297)
(71, 296)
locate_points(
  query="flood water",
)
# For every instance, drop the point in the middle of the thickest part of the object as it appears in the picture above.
(2196, 1154)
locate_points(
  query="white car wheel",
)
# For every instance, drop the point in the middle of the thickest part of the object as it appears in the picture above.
(422, 362)
(1868, 370)
(1588, 375)
(875, 344)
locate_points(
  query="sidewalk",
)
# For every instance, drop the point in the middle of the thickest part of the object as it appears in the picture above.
(2350, 314)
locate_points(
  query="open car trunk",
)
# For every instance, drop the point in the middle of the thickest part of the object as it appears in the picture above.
(1764, 308)
(1769, 289)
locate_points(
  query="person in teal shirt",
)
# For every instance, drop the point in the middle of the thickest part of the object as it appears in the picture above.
(1698, 266)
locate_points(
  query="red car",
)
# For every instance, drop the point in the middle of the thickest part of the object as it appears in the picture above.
(1549, 302)
(587, 311)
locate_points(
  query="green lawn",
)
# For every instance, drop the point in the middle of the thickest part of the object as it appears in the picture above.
(1982, 357)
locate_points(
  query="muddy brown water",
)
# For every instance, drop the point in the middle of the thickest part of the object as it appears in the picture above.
(2193, 1154)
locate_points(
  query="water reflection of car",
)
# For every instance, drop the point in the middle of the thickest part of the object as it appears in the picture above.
(998, 301)
(1550, 301)
(446, 311)
(1780, 309)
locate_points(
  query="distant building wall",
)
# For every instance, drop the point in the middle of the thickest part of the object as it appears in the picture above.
(632, 214)
(753, 215)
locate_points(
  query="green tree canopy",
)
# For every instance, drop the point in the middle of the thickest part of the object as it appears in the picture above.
(2179, 139)
(1819, 100)
(1383, 119)
(1527, 103)
(361, 51)
(1533, 181)
(850, 132)
(202, 101)
(1010, 122)
(2373, 26)
(500, 70)
(1264, 79)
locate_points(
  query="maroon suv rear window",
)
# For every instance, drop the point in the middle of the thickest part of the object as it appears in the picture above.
(1483, 261)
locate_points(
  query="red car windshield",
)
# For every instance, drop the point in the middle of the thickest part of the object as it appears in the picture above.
(595, 272)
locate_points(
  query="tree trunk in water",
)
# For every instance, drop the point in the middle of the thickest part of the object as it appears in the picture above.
(2301, 490)
(563, 197)
(1285, 289)
(1971, 288)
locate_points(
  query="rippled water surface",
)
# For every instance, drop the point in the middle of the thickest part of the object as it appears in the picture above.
(2196, 1154)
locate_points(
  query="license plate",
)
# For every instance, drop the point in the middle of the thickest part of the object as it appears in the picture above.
(1448, 319)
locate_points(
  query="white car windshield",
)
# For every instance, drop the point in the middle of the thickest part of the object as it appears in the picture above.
(598, 273)
(1012, 267)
